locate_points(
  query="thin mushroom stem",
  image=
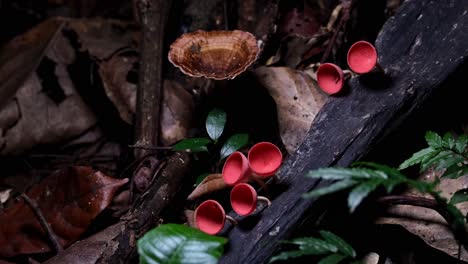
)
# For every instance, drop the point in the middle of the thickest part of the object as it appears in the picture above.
(232, 220)
(264, 200)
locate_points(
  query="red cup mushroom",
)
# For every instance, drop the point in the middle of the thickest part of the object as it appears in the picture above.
(362, 57)
(265, 159)
(330, 78)
(210, 217)
(244, 199)
(236, 169)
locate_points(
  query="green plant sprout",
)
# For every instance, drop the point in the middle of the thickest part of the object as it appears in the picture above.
(215, 124)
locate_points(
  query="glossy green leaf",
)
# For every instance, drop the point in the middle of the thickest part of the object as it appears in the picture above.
(314, 246)
(289, 255)
(448, 141)
(434, 140)
(461, 144)
(346, 173)
(417, 158)
(342, 245)
(332, 259)
(215, 122)
(459, 196)
(172, 244)
(192, 144)
(235, 142)
(334, 187)
(360, 192)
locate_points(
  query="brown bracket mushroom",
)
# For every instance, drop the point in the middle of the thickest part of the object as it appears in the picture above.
(217, 55)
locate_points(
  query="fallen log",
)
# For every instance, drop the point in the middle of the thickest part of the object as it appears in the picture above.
(117, 243)
(419, 48)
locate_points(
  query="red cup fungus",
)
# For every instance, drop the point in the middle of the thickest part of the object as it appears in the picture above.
(210, 217)
(244, 199)
(330, 78)
(362, 57)
(265, 159)
(236, 169)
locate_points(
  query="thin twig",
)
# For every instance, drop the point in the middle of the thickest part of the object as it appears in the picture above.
(346, 8)
(417, 201)
(37, 211)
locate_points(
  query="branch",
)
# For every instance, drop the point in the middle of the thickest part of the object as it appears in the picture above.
(153, 15)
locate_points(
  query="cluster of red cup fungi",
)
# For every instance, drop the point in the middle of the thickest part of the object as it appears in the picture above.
(262, 162)
(362, 58)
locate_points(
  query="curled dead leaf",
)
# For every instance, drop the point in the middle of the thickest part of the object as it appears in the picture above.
(69, 200)
(427, 223)
(211, 183)
(298, 100)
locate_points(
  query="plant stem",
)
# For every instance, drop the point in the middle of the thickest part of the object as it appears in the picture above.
(40, 217)
(153, 15)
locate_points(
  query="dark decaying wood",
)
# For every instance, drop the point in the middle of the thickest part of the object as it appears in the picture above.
(117, 243)
(419, 48)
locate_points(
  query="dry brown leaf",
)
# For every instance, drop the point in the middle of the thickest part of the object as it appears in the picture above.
(427, 223)
(298, 100)
(122, 93)
(69, 200)
(176, 113)
(211, 183)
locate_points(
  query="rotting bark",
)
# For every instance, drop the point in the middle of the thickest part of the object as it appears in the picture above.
(117, 243)
(419, 49)
(153, 15)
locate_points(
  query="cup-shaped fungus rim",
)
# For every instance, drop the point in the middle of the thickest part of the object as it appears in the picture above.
(362, 57)
(330, 78)
(236, 169)
(265, 159)
(243, 199)
(210, 217)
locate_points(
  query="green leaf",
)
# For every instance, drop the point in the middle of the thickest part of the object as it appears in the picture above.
(422, 186)
(234, 143)
(332, 259)
(459, 196)
(215, 122)
(200, 178)
(439, 157)
(192, 144)
(342, 245)
(289, 255)
(455, 171)
(334, 187)
(434, 140)
(389, 171)
(417, 158)
(172, 243)
(345, 173)
(461, 144)
(360, 192)
(314, 246)
(448, 141)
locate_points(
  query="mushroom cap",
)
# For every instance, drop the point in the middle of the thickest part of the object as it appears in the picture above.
(236, 169)
(330, 78)
(210, 217)
(265, 159)
(243, 199)
(362, 57)
(214, 54)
